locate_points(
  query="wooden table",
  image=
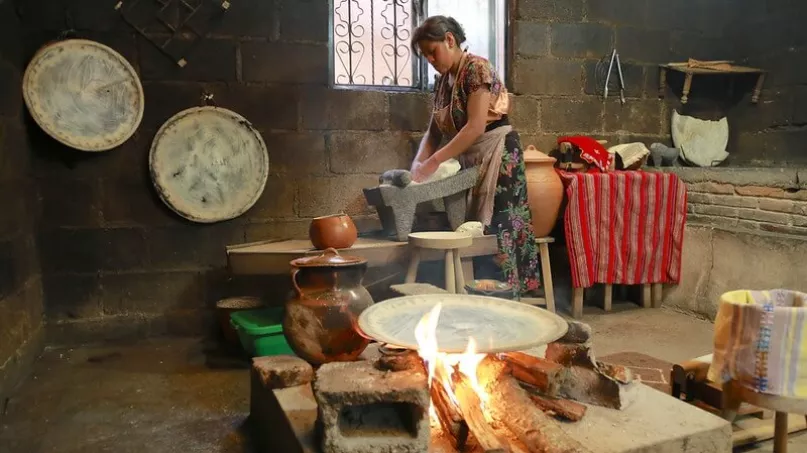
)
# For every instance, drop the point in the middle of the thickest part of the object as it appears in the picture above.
(691, 71)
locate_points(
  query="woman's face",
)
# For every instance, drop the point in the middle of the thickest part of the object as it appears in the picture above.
(439, 53)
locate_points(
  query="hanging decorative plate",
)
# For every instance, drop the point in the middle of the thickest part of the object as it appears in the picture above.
(497, 325)
(209, 164)
(83, 94)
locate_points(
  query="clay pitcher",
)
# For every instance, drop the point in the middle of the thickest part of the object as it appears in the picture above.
(333, 231)
(320, 321)
(544, 190)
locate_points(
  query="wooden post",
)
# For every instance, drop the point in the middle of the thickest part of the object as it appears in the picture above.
(657, 295)
(609, 294)
(414, 262)
(546, 273)
(577, 303)
(450, 281)
(647, 296)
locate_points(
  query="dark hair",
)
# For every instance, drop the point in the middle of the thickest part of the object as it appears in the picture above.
(435, 29)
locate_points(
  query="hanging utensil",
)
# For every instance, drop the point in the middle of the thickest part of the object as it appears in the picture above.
(600, 73)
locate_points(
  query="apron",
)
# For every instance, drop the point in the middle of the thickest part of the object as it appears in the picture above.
(485, 154)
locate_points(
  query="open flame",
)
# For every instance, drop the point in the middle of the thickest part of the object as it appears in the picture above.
(441, 366)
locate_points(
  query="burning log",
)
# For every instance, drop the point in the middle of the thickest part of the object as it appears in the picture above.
(450, 418)
(570, 354)
(570, 410)
(471, 408)
(542, 374)
(512, 406)
(578, 333)
(605, 386)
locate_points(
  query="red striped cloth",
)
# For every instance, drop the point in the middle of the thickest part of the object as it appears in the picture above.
(624, 227)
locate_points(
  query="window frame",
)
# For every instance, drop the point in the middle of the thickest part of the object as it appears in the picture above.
(503, 39)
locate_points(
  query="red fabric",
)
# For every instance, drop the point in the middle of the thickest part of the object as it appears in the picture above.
(591, 151)
(624, 227)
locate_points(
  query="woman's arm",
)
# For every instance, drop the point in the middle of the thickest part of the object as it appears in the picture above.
(429, 143)
(478, 103)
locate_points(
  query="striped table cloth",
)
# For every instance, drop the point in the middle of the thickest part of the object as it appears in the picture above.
(624, 227)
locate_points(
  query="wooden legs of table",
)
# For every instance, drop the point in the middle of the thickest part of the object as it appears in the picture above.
(780, 433)
(414, 262)
(546, 275)
(687, 87)
(454, 266)
(651, 298)
(758, 88)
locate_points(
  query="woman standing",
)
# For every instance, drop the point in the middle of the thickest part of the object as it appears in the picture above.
(470, 110)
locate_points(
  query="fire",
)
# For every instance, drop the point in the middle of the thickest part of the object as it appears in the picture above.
(441, 366)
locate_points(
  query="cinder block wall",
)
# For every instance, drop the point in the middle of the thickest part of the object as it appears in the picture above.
(21, 332)
(116, 262)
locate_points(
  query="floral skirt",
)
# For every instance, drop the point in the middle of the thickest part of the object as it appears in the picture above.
(512, 222)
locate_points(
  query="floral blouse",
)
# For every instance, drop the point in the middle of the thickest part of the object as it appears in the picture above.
(475, 73)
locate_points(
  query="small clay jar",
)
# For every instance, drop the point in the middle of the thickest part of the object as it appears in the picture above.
(320, 323)
(334, 231)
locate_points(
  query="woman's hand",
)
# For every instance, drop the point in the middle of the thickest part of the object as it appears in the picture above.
(421, 171)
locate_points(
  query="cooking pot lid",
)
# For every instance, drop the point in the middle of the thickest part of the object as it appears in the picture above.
(531, 154)
(329, 257)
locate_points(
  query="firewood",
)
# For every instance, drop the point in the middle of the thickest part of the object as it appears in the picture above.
(570, 354)
(595, 386)
(511, 405)
(578, 333)
(570, 410)
(449, 416)
(540, 373)
(471, 408)
(408, 360)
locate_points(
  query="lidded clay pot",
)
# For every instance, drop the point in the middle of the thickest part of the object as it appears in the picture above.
(333, 231)
(544, 190)
(320, 321)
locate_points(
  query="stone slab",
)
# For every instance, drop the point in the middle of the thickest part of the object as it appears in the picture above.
(654, 423)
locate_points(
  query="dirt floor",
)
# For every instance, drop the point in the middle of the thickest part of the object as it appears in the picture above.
(171, 395)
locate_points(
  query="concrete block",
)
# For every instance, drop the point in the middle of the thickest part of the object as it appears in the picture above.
(410, 111)
(10, 89)
(15, 209)
(643, 45)
(525, 113)
(191, 246)
(276, 201)
(684, 45)
(362, 409)
(262, 62)
(785, 178)
(293, 229)
(581, 40)
(579, 115)
(764, 216)
(279, 372)
(318, 196)
(621, 12)
(633, 74)
(71, 203)
(532, 38)
(783, 229)
(547, 76)
(639, 115)
(711, 210)
(303, 20)
(250, 19)
(72, 296)
(551, 10)
(152, 293)
(324, 108)
(296, 153)
(142, 206)
(252, 103)
(212, 60)
(369, 152)
(16, 148)
(93, 250)
(173, 99)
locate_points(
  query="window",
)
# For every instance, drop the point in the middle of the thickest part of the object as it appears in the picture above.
(370, 39)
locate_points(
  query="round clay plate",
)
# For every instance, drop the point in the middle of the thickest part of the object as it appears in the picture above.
(497, 325)
(83, 94)
(209, 164)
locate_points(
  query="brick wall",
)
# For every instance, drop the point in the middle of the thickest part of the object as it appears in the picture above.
(116, 261)
(756, 200)
(21, 332)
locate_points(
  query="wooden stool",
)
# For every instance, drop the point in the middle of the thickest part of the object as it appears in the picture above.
(546, 276)
(448, 241)
(734, 394)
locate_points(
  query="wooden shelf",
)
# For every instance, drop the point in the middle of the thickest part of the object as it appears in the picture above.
(692, 68)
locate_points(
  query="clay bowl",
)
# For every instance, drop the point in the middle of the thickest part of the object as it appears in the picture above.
(334, 231)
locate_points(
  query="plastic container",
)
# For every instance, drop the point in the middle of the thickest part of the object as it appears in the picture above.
(261, 331)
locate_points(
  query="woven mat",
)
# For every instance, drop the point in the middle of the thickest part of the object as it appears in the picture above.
(649, 370)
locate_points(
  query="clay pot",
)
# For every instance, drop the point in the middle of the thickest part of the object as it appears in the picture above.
(320, 321)
(544, 190)
(334, 231)
(226, 307)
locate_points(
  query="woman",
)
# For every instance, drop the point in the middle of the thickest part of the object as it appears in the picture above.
(470, 110)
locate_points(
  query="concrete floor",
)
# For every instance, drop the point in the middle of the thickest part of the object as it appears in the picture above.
(171, 395)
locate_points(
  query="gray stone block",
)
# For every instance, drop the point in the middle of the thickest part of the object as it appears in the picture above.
(581, 40)
(396, 205)
(282, 371)
(365, 410)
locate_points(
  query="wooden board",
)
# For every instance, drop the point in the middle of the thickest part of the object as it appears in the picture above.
(83, 94)
(273, 257)
(209, 164)
(497, 325)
